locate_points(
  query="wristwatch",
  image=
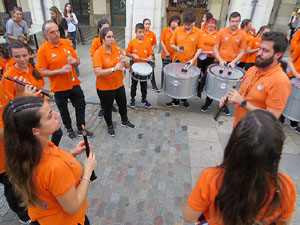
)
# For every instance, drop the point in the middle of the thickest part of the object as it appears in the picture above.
(244, 103)
(113, 69)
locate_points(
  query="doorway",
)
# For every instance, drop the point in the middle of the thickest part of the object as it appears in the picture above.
(82, 10)
(118, 13)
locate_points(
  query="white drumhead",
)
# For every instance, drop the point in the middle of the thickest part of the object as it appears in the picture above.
(236, 73)
(141, 68)
(175, 70)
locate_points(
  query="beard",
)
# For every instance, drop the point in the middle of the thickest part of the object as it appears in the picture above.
(263, 63)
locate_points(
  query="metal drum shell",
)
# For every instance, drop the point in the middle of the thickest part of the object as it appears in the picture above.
(139, 72)
(292, 106)
(180, 87)
(217, 86)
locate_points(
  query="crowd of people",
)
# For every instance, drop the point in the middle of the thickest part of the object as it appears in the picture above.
(47, 185)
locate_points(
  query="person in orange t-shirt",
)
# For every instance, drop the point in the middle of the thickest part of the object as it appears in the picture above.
(187, 43)
(151, 37)
(295, 41)
(247, 187)
(168, 53)
(4, 58)
(139, 48)
(254, 45)
(207, 16)
(246, 27)
(56, 186)
(230, 45)
(57, 60)
(109, 62)
(265, 85)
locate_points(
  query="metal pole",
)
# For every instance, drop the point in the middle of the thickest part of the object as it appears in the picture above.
(253, 9)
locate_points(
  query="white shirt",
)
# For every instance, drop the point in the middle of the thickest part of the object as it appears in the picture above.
(72, 23)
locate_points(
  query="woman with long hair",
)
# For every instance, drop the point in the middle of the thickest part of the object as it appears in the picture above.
(26, 69)
(49, 180)
(72, 21)
(109, 62)
(246, 188)
(60, 21)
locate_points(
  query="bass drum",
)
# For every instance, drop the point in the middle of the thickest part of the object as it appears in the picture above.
(292, 106)
(218, 84)
(178, 84)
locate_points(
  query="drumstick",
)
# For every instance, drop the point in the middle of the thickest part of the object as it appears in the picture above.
(72, 75)
(87, 150)
(221, 70)
(185, 68)
(145, 59)
(226, 100)
(123, 71)
(229, 71)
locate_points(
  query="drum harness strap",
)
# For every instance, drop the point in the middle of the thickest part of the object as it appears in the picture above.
(252, 83)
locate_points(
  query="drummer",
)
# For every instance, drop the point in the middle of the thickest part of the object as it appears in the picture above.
(265, 85)
(187, 43)
(246, 26)
(206, 17)
(136, 49)
(294, 65)
(168, 53)
(205, 59)
(230, 45)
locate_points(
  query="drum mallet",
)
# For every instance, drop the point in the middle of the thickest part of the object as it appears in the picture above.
(185, 68)
(229, 70)
(221, 70)
(221, 108)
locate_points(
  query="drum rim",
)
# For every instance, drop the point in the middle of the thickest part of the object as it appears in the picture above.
(182, 78)
(141, 63)
(215, 64)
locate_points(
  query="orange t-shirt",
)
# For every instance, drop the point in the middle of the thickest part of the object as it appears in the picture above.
(270, 89)
(5, 64)
(295, 55)
(141, 49)
(209, 183)
(165, 37)
(208, 40)
(150, 37)
(57, 172)
(52, 57)
(97, 44)
(5, 97)
(230, 44)
(249, 37)
(295, 41)
(253, 44)
(14, 71)
(191, 43)
(105, 60)
(204, 27)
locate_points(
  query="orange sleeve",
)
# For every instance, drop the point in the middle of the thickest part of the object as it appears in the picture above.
(8, 85)
(94, 46)
(149, 47)
(97, 59)
(218, 38)
(251, 43)
(278, 95)
(288, 196)
(61, 180)
(129, 47)
(296, 52)
(199, 199)
(154, 42)
(244, 42)
(41, 59)
(162, 35)
(295, 40)
(200, 42)
(173, 40)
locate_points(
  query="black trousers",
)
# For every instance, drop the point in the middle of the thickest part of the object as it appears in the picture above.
(76, 97)
(86, 222)
(107, 99)
(73, 34)
(143, 88)
(12, 200)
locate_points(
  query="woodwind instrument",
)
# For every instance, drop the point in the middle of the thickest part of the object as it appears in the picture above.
(87, 150)
(123, 71)
(72, 75)
(49, 94)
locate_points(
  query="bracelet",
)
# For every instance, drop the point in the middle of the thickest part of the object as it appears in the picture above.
(87, 179)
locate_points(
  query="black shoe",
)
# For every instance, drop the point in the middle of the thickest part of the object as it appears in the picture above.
(204, 108)
(101, 114)
(114, 109)
(127, 124)
(186, 104)
(155, 89)
(146, 104)
(293, 126)
(297, 130)
(111, 131)
(71, 134)
(132, 103)
(226, 111)
(88, 133)
(172, 103)
(25, 222)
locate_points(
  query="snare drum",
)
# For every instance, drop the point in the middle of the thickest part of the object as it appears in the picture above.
(141, 71)
(218, 84)
(292, 106)
(178, 84)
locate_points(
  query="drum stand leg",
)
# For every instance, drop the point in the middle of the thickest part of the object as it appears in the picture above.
(162, 79)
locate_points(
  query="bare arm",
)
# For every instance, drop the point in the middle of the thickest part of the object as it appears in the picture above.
(239, 56)
(50, 73)
(190, 215)
(164, 48)
(198, 52)
(217, 55)
(99, 72)
(292, 67)
(250, 51)
(10, 37)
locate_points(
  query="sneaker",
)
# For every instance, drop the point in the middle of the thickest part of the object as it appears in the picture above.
(114, 109)
(293, 126)
(111, 131)
(204, 108)
(71, 134)
(226, 111)
(88, 133)
(297, 130)
(101, 114)
(127, 124)
(146, 104)
(132, 103)
(24, 222)
(186, 104)
(170, 104)
(155, 89)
